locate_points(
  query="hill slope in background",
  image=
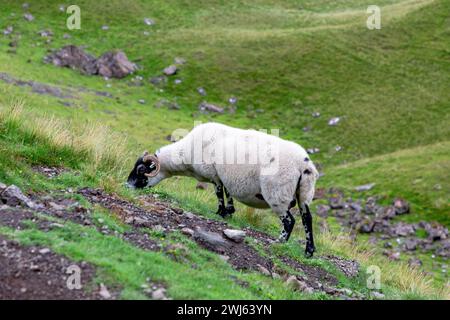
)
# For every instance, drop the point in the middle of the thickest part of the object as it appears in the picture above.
(281, 60)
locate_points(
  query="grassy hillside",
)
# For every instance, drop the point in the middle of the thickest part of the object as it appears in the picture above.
(282, 60)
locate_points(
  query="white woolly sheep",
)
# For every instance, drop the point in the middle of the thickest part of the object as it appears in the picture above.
(257, 169)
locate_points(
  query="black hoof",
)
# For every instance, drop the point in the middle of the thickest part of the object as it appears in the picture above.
(223, 212)
(309, 252)
(230, 210)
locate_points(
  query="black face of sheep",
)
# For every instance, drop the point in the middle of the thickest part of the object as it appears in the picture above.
(145, 167)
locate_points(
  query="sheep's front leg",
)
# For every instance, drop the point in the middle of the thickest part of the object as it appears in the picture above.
(288, 225)
(230, 206)
(219, 193)
(307, 224)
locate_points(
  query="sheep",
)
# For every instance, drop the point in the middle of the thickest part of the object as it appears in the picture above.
(255, 168)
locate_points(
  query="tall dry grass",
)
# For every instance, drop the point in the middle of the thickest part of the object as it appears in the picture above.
(399, 274)
(103, 150)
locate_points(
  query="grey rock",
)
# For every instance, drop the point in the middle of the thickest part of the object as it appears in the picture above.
(159, 294)
(13, 196)
(334, 121)
(187, 231)
(104, 292)
(365, 187)
(170, 70)
(415, 262)
(312, 150)
(201, 91)
(411, 244)
(212, 240)
(73, 57)
(45, 33)
(401, 206)
(402, 229)
(436, 231)
(44, 251)
(115, 64)
(377, 295)
(208, 107)
(316, 114)
(28, 17)
(298, 285)
(234, 235)
(8, 30)
(264, 270)
(2, 187)
(149, 21)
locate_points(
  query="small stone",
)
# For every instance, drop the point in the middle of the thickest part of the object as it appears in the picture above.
(316, 114)
(365, 187)
(141, 101)
(13, 196)
(298, 285)
(105, 27)
(187, 231)
(8, 30)
(334, 121)
(377, 295)
(415, 262)
(179, 60)
(104, 293)
(149, 21)
(189, 215)
(28, 17)
(264, 270)
(235, 235)
(170, 70)
(159, 294)
(44, 251)
(401, 206)
(212, 240)
(208, 107)
(232, 100)
(201, 91)
(312, 150)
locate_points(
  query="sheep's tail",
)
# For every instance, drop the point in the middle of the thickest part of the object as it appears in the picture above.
(306, 183)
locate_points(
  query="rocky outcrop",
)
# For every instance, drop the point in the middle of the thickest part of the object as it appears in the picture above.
(112, 64)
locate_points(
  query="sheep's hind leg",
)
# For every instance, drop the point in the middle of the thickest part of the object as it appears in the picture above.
(288, 222)
(307, 224)
(219, 193)
(230, 206)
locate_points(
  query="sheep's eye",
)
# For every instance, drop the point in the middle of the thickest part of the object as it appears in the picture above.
(141, 169)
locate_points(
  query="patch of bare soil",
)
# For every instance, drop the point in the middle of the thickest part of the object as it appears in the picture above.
(38, 273)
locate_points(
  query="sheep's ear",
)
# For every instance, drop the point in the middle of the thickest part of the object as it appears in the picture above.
(145, 153)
